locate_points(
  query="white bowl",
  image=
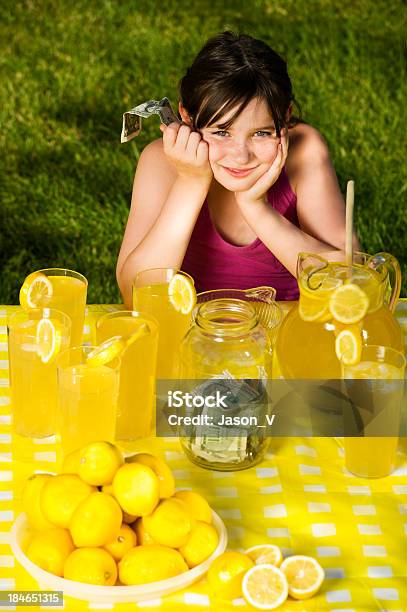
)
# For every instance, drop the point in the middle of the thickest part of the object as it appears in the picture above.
(21, 533)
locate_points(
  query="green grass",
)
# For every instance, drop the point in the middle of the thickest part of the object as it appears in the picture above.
(70, 69)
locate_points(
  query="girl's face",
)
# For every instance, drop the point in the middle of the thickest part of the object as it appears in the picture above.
(240, 155)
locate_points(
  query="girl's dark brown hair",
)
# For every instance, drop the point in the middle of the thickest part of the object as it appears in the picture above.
(228, 72)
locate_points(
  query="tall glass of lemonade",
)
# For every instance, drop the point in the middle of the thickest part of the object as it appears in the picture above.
(169, 295)
(58, 288)
(136, 401)
(375, 386)
(87, 395)
(35, 339)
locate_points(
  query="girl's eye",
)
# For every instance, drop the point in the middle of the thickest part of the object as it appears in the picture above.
(221, 133)
(264, 133)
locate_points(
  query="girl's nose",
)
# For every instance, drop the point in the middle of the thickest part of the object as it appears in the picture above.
(241, 152)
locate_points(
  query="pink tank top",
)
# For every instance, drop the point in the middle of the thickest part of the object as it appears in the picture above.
(215, 263)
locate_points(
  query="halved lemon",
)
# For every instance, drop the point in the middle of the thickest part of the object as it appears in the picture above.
(182, 293)
(265, 587)
(107, 351)
(348, 303)
(49, 339)
(304, 576)
(265, 553)
(34, 290)
(348, 345)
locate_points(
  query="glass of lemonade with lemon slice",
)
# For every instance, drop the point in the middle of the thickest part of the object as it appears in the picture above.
(375, 385)
(35, 339)
(58, 288)
(88, 385)
(169, 295)
(136, 401)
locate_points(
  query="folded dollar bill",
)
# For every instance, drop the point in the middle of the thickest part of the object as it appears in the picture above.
(132, 118)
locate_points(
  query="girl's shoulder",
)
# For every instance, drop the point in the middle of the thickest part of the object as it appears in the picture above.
(307, 148)
(153, 158)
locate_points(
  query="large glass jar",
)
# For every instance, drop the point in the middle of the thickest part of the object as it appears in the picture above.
(227, 353)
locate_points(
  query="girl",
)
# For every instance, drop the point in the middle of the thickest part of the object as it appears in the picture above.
(235, 192)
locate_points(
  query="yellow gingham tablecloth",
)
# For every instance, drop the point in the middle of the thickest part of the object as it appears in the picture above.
(300, 497)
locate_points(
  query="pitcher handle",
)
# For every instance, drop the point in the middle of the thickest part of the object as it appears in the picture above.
(391, 297)
(262, 293)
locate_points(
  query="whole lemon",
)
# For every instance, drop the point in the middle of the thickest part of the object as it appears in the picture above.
(144, 564)
(143, 537)
(70, 464)
(31, 501)
(136, 488)
(226, 573)
(91, 565)
(160, 468)
(201, 543)
(170, 524)
(60, 497)
(96, 521)
(99, 462)
(50, 548)
(197, 505)
(125, 539)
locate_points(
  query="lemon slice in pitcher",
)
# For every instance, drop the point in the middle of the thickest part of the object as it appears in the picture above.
(348, 346)
(49, 339)
(182, 293)
(34, 290)
(348, 303)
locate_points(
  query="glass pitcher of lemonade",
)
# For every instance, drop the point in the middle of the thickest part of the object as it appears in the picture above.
(228, 351)
(341, 308)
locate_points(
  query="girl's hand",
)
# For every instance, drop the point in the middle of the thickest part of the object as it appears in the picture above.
(187, 151)
(257, 192)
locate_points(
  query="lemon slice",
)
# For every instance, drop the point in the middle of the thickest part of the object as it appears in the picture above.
(265, 587)
(348, 346)
(265, 553)
(34, 290)
(314, 310)
(141, 331)
(304, 576)
(49, 339)
(348, 303)
(107, 351)
(182, 293)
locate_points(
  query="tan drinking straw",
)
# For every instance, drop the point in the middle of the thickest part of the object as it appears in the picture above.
(350, 197)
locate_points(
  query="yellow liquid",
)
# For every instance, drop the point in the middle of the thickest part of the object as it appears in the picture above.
(306, 349)
(375, 456)
(33, 384)
(69, 296)
(136, 401)
(87, 405)
(173, 325)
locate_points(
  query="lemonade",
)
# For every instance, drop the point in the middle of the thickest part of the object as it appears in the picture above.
(375, 386)
(152, 294)
(335, 297)
(87, 399)
(66, 291)
(136, 403)
(33, 372)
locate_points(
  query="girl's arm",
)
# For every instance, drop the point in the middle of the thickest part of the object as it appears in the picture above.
(320, 207)
(166, 201)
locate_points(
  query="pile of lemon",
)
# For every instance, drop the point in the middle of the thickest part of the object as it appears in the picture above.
(262, 576)
(109, 521)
